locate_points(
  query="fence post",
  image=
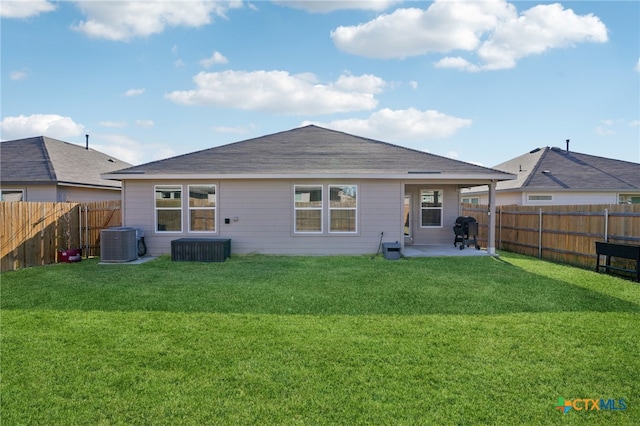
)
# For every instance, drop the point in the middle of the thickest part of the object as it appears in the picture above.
(606, 225)
(500, 227)
(540, 233)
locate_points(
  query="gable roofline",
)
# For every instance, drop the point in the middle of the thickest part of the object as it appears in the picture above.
(556, 169)
(45, 160)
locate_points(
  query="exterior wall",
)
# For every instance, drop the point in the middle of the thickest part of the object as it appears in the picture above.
(558, 198)
(53, 193)
(41, 193)
(265, 216)
(450, 212)
(70, 193)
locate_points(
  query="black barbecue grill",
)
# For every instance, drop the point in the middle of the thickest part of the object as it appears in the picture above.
(466, 231)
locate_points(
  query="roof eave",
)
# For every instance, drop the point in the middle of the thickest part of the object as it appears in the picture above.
(466, 177)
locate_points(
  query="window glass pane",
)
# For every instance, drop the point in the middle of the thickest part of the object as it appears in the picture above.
(203, 220)
(308, 220)
(540, 197)
(202, 195)
(342, 196)
(9, 195)
(168, 196)
(431, 217)
(431, 198)
(308, 196)
(343, 220)
(169, 220)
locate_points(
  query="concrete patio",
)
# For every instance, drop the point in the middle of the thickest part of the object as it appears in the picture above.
(434, 250)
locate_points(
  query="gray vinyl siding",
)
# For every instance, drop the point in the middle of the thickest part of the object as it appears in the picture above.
(265, 216)
(81, 195)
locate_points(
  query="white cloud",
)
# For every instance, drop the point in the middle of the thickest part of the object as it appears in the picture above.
(634, 123)
(179, 63)
(215, 59)
(324, 6)
(133, 92)
(116, 124)
(25, 9)
(124, 20)
(145, 123)
(17, 75)
(401, 125)
(637, 67)
(130, 150)
(238, 130)
(491, 30)
(281, 92)
(413, 84)
(52, 125)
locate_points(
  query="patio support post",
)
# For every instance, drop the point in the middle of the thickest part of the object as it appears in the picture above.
(491, 233)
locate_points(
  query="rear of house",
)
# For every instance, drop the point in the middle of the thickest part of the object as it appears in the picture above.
(304, 191)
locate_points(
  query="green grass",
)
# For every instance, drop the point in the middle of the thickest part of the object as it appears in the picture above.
(317, 340)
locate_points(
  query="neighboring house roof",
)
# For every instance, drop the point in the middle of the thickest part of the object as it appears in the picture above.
(309, 151)
(42, 160)
(551, 169)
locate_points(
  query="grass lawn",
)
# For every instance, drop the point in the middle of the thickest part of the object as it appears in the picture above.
(318, 340)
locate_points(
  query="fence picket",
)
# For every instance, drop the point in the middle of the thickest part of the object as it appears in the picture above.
(568, 233)
(31, 233)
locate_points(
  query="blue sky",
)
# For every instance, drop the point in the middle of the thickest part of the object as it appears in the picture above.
(481, 81)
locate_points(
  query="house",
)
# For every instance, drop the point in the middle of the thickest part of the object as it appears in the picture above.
(555, 176)
(46, 169)
(308, 190)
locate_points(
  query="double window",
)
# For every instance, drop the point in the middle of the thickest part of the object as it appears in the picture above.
(309, 208)
(201, 207)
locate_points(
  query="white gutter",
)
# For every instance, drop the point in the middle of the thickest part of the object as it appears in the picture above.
(435, 176)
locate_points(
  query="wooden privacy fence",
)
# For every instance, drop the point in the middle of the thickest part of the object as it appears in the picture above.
(565, 234)
(31, 233)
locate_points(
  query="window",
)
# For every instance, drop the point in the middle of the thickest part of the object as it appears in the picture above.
(629, 199)
(474, 200)
(431, 208)
(342, 208)
(12, 195)
(168, 205)
(540, 198)
(308, 208)
(202, 208)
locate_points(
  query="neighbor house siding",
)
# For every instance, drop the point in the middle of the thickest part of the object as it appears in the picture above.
(69, 193)
(261, 216)
(559, 198)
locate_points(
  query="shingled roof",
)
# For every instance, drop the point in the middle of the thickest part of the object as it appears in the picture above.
(309, 150)
(554, 168)
(42, 160)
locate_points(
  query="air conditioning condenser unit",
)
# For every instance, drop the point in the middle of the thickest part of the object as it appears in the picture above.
(118, 245)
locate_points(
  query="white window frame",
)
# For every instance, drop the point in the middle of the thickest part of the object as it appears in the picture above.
(12, 191)
(355, 209)
(296, 209)
(214, 208)
(156, 208)
(441, 208)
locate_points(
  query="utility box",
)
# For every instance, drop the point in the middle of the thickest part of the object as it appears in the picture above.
(391, 251)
